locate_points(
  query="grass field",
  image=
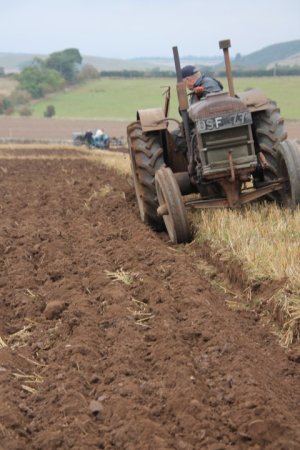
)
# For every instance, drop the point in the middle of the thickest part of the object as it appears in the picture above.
(120, 98)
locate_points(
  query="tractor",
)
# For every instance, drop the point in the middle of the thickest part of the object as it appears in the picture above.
(232, 150)
(91, 140)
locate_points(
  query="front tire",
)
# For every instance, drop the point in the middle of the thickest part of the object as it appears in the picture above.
(170, 199)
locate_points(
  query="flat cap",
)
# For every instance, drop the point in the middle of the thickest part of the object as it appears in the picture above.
(188, 71)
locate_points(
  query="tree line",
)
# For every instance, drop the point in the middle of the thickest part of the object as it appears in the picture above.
(208, 70)
(64, 68)
(45, 76)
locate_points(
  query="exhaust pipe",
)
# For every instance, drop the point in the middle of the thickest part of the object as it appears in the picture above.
(225, 46)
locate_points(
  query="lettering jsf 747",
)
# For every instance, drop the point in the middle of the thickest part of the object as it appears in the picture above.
(225, 121)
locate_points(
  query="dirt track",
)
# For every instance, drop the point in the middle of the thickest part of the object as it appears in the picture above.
(30, 128)
(160, 363)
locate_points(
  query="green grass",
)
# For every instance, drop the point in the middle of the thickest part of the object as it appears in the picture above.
(107, 99)
(120, 98)
(284, 90)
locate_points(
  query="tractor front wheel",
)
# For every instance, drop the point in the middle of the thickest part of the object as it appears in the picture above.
(171, 206)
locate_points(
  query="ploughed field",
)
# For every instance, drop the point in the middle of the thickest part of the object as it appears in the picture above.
(111, 338)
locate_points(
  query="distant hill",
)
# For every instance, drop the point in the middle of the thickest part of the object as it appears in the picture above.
(283, 53)
(168, 63)
(115, 64)
(15, 62)
(286, 53)
(293, 60)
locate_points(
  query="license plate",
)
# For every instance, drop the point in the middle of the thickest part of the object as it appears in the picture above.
(225, 121)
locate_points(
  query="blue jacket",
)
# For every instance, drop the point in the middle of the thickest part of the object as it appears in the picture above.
(209, 84)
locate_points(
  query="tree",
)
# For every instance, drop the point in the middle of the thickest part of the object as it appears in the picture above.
(39, 81)
(20, 97)
(238, 58)
(25, 111)
(50, 111)
(66, 63)
(87, 72)
(6, 106)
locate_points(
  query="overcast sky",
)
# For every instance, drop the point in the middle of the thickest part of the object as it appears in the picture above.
(133, 28)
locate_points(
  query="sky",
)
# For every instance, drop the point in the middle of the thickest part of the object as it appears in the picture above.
(126, 29)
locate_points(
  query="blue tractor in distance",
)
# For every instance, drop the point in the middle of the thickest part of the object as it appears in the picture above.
(92, 140)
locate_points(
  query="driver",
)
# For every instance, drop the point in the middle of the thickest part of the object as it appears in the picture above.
(199, 84)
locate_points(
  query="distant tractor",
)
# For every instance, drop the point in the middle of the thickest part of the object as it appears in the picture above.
(91, 140)
(233, 150)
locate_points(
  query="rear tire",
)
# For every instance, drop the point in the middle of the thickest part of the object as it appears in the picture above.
(269, 133)
(288, 161)
(146, 156)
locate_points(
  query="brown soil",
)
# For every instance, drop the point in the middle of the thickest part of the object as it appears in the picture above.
(94, 363)
(30, 128)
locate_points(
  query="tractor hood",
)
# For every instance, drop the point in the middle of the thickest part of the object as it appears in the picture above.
(216, 104)
(221, 103)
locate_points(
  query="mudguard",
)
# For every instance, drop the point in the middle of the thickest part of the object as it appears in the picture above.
(254, 100)
(152, 119)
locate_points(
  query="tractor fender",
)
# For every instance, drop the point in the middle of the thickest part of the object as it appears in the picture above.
(152, 119)
(254, 100)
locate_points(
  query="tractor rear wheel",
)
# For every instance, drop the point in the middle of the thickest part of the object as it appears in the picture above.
(268, 130)
(146, 157)
(288, 160)
(171, 206)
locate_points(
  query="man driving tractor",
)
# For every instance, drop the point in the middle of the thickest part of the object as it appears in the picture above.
(199, 84)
